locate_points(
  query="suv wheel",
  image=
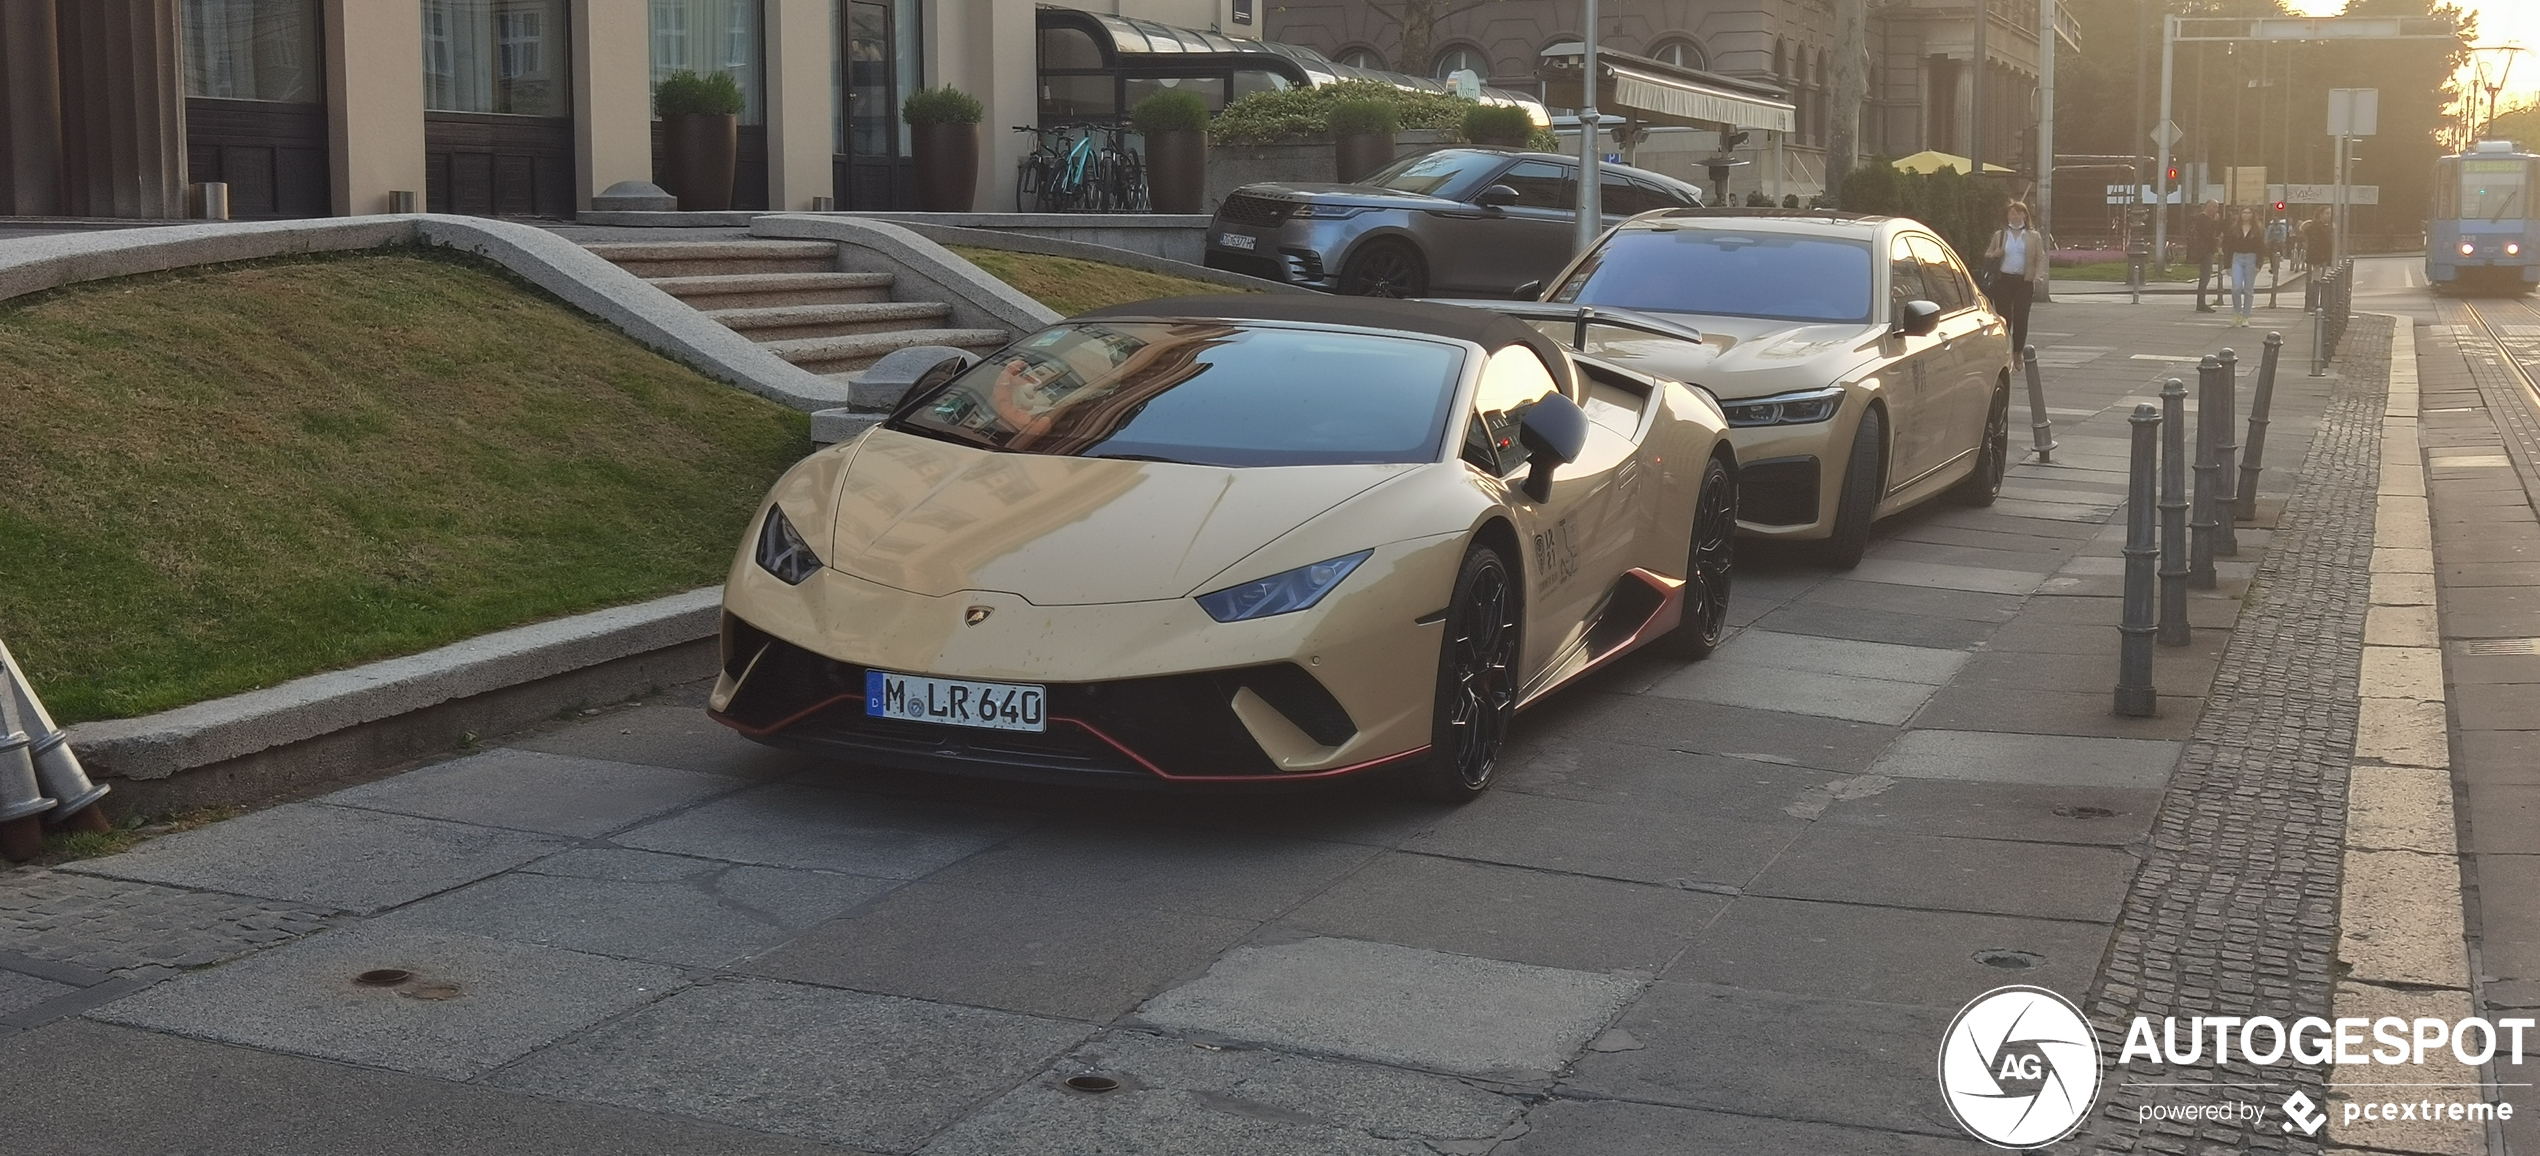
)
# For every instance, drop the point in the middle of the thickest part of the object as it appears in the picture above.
(1385, 269)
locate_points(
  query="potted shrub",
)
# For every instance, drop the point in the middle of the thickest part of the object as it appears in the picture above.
(1175, 125)
(701, 135)
(944, 134)
(1506, 126)
(1362, 137)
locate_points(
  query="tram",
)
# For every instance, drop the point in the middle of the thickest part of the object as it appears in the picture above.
(2482, 236)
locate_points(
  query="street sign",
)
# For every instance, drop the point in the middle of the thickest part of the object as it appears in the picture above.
(2323, 194)
(2354, 111)
(2242, 184)
(2167, 134)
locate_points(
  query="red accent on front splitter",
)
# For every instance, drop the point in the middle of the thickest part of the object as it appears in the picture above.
(1097, 732)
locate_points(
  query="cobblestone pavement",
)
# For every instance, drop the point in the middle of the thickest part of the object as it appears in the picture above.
(2236, 905)
(1726, 907)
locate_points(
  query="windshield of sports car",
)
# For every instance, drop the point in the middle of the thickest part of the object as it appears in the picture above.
(1452, 174)
(1726, 273)
(1212, 393)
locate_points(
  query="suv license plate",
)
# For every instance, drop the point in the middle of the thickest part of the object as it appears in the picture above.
(1003, 706)
(1237, 241)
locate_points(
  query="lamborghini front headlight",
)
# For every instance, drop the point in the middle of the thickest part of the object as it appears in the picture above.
(782, 551)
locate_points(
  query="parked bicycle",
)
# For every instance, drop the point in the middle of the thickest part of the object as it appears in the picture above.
(1080, 168)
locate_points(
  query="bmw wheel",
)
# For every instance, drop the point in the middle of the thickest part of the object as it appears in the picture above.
(1477, 682)
(1706, 594)
(1863, 481)
(1385, 269)
(1993, 456)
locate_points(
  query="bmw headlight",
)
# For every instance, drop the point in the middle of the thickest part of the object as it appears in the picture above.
(1813, 405)
(1284, 593)
(782, 551)
(1313, 212)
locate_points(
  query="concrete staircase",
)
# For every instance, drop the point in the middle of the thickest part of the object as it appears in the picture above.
(791, 298)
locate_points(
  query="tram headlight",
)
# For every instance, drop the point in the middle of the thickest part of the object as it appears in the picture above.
(2513, 248)
(2468, 249)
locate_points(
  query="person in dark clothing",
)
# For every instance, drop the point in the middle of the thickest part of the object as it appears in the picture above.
(2244, 242)
(2319, 240)
(2203, 230)
(2017, 259)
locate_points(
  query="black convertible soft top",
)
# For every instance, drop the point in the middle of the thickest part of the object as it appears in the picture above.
(1492, 331)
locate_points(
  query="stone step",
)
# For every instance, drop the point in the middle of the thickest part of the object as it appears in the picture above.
(718, 258)
(772, 290)
(787, 322)
(838, 355)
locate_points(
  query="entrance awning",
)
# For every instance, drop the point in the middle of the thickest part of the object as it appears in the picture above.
(1651, 92)
(1933, 160)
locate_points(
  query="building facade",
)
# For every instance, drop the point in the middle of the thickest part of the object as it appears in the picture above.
(1920, 76)
(496, 107)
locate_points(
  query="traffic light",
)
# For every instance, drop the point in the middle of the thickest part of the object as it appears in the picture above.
(1732, 139)
(2279, 206)
(2173, 174)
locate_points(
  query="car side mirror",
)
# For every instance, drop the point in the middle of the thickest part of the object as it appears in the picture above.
(1554, 431)
(1917, 318)
(1528, 291)
(902, 374)
(1496, 197)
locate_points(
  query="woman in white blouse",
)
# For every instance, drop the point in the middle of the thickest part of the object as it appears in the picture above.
(2017, 261)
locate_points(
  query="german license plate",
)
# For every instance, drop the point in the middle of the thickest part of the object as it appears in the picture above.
(960, 702)
(1237, 241)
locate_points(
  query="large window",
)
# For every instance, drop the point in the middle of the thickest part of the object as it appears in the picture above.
(253, 50)
(710, 36)
(1681, 53)
(1781, 276)
(1460, 57)
(498, 56)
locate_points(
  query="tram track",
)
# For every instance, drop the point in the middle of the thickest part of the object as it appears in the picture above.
(2507, 337)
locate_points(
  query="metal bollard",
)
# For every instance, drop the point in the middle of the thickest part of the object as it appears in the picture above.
(22, 802)
(2257, 447)
(2227, 455)
(2319, 335)
(2174, 628)
(57, 770)
(2041, 427)
(2200, 542)
(2135, 695)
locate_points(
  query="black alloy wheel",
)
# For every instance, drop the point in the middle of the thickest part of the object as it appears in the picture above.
(1476, 695)
(1714, 555)
(1864, 481)
(1993, 457)
(1385, 269)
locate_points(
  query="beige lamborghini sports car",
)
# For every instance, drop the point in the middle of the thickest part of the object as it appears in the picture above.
(1238, 538)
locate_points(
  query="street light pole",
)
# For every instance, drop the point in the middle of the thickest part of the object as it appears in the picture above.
(2046, 133)
(2160, 159)
(1591, 212)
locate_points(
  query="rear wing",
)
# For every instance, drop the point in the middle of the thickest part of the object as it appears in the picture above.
(1580, 318)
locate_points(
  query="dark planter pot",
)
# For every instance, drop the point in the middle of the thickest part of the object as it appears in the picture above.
(1358, 154)
(1177, 171)
(698, 152)
(947, 157)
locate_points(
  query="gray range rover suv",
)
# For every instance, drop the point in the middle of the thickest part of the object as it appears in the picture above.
(1454, 222)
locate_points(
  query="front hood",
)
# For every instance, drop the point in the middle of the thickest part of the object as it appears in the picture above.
(1743, 356)
(932, 518)
(1368, 196)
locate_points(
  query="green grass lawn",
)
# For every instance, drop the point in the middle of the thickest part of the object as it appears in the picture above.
(222, 479)
(1071, 286)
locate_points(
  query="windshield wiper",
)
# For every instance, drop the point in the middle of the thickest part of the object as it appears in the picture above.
(1136, 458)
(945, 434)
(2503, 205)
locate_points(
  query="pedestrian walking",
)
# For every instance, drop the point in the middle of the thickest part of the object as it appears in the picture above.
(2245, 242)
(2204, 230)
(2319, 239)
(2015, 261)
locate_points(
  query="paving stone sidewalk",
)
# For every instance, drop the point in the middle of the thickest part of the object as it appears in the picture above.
(1725, 907)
